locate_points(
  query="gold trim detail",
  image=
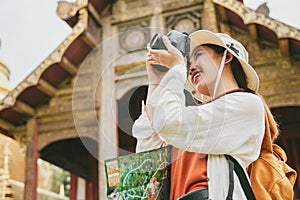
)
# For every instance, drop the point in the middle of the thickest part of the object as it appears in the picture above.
(250, 16)
(55, 57)
(66, 10)
(121, 69)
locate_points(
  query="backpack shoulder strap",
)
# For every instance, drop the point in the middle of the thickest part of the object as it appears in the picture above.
(234, 165)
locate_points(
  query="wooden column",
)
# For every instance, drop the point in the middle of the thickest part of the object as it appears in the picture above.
(253, 31)
(208, 16)
(108, 135)
(89, 193)
(73, 188)
(284, 47)
(91, 187)
(31, 168)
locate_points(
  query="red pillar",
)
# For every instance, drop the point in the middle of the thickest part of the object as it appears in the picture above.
(31, 168)
(73, 187)
(91, 186)
(89, 193)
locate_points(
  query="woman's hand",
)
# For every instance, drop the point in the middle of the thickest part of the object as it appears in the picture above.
(154, 76)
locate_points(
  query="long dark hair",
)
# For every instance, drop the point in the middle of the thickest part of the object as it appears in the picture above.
(240, 77)
(236, 67)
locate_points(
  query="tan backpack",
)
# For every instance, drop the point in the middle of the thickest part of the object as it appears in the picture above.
(270, 176)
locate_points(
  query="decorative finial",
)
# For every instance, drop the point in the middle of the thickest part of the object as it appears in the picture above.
(264, 9)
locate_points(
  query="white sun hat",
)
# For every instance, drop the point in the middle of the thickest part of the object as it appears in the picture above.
(236, 48)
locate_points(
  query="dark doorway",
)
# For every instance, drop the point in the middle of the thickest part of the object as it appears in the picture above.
(288, 119)
(129, 109)
(73, 156)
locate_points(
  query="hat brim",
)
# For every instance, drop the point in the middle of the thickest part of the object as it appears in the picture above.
(202, 37)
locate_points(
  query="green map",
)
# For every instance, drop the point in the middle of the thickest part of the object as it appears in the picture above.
(144, 175)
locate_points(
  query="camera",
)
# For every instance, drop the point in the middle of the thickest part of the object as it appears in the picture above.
(179, 40)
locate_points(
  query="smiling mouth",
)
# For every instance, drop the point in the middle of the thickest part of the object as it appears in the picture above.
(195, 76)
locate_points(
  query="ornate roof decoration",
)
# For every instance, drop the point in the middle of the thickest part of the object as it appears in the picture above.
(252, 17)
(264, 9)
(63, 62)
(66, 10)
(55, 57)
(4, 69)
(5, 84)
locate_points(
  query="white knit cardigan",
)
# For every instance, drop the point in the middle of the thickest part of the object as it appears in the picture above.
(232, 124)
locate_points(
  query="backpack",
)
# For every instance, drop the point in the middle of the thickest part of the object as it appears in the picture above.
(270, 176)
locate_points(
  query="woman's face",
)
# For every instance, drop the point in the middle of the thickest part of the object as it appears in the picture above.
(204, 68)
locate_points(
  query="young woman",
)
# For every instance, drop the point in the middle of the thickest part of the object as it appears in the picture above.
(231, 123)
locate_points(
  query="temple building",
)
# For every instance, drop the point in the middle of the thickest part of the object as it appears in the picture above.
(76, 109)
(12, 161)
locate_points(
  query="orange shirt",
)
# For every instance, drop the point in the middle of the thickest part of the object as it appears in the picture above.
(188, 172)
